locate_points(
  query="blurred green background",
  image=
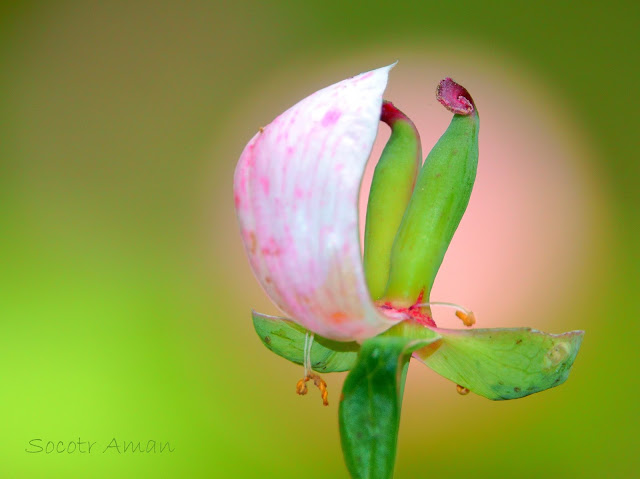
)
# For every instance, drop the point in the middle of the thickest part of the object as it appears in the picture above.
(124, 291)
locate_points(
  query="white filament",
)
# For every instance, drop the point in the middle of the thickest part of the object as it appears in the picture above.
(308, 342)
(440, 303)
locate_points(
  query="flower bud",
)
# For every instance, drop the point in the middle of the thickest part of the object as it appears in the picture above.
(391, 188)
(438, 202)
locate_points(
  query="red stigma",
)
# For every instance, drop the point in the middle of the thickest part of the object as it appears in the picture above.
(454, 97)
(390, 114)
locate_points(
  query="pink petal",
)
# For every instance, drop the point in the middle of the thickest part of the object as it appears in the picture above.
(296, 188)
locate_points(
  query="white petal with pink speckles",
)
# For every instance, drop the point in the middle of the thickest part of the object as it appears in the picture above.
(296, 191)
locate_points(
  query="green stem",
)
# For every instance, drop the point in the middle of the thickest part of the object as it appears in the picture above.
(369, 413)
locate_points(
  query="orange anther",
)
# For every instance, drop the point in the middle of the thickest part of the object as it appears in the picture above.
(469, 319)
(320, 384)
(301, 387)
(462, 390)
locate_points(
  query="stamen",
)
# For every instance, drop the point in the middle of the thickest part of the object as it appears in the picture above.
(322, 386)
(469, 319)
(462, 390)
(467, 316)
(301, 386)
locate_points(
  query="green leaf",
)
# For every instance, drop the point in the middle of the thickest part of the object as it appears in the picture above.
(286, 339)
(369, 411)
(503, 363)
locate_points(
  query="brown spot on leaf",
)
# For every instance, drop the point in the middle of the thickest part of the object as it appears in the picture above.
(556, 355)
(267, 339)
(516, 389)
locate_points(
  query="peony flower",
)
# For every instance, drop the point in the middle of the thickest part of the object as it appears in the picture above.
(296, 191)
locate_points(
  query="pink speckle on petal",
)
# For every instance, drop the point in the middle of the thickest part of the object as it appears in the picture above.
(331, 117)
(298, 193)
(242, 185)
(264, 181)
(271, 248)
